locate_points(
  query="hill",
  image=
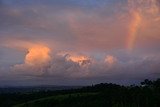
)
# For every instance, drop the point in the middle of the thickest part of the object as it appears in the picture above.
(100, 95)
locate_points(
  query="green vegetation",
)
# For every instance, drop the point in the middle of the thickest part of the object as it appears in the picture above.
(100, 95)
(55, 100)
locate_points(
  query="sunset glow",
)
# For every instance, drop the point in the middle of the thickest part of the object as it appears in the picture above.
(37, 55)
(79, 42)
(133, 29)
(78, 59)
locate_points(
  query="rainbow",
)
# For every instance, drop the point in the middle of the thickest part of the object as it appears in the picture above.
(133, 29)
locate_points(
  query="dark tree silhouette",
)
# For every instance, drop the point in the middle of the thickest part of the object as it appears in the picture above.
(100, 95)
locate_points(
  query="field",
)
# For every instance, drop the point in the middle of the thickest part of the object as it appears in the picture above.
(60, 100)
(100, 95)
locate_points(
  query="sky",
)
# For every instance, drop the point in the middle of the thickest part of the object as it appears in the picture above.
(79, 42)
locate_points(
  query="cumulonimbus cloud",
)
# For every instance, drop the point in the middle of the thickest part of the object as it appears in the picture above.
(74, 65)
(95, 33)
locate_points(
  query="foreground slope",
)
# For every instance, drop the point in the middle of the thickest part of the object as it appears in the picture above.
(101, 95)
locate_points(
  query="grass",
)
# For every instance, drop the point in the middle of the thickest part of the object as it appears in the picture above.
(54, 100)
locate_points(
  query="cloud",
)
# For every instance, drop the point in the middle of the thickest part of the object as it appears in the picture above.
(130, 22)
(60, 41)
(144, 24)
(37, 55)
(65, 66)
(83, 68)
(110, 59)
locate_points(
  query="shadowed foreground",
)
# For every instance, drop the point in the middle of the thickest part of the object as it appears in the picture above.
(101, 95)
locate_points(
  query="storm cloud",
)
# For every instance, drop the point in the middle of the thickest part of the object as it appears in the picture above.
(79, 42)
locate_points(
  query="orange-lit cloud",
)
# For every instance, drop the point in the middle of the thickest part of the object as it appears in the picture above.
(37, 55)
(80, 59)
(110, 60)
(36, 61)
(85, 34)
